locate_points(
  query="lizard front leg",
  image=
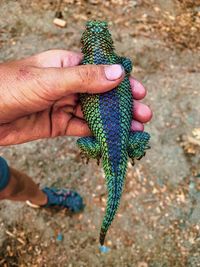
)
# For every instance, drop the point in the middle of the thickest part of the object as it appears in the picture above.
(89, 148)
(127, 64)
(138, 143)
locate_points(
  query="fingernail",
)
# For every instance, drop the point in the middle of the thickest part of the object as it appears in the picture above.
(113, 72)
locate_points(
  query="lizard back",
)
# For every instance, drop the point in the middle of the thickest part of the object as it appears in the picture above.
(109, 116)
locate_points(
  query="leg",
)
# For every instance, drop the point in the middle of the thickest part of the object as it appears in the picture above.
(138, 143)
(89, 147)
(127, 64)
(18, 186)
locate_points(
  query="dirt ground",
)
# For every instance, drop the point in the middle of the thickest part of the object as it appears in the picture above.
(158, 223)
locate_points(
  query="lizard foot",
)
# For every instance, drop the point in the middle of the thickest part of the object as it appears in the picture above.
(127, 64)
(98, 161)
(89, 148)
(84, 158)
(138, 144)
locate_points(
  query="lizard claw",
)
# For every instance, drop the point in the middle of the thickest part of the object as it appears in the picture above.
(141, 156)
(84, 158)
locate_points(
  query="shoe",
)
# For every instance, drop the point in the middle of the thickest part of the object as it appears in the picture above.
(62, 198)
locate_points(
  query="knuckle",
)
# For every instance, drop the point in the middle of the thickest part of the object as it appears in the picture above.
(88, 74)
(84, 74)
(71, 59)
(25, 73)
(44, 81)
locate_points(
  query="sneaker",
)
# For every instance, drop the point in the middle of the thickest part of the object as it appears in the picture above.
(62, 198)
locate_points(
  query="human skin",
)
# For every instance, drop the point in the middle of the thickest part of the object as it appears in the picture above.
(39, 96)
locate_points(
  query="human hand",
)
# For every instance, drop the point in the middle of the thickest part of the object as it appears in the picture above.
(39, 96)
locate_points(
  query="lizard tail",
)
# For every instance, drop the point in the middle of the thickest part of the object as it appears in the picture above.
(115, 188)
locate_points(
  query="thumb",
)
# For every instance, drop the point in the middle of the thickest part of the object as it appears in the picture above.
(84, 79)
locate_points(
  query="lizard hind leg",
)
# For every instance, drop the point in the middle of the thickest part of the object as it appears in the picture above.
(89, 148)
(138, 144)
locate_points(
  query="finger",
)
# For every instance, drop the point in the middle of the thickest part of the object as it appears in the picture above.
(70, 100)
(78, 112)
(73, 110)
(141, 112)
(137, 126)
(81, 79)
(25, 129)
(42, 125)
(77, 127)
(138, 89)
(55, 58)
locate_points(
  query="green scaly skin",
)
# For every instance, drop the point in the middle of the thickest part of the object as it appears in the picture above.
(109, 117)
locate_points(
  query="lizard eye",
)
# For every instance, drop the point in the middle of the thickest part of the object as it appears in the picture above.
(89, 24)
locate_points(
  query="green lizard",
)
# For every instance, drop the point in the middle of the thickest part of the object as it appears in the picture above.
(109, 117)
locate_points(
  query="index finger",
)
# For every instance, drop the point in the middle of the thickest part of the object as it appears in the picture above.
(55, 59)
(138, 89)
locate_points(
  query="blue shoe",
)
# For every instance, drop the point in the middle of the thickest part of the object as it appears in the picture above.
(62, 198)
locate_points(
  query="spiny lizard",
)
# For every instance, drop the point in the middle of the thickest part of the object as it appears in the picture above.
(109, 117)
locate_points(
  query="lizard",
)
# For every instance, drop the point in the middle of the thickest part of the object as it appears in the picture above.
(109, 118)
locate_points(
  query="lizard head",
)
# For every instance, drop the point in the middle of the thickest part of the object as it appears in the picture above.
(96, 33)
(96, 26)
